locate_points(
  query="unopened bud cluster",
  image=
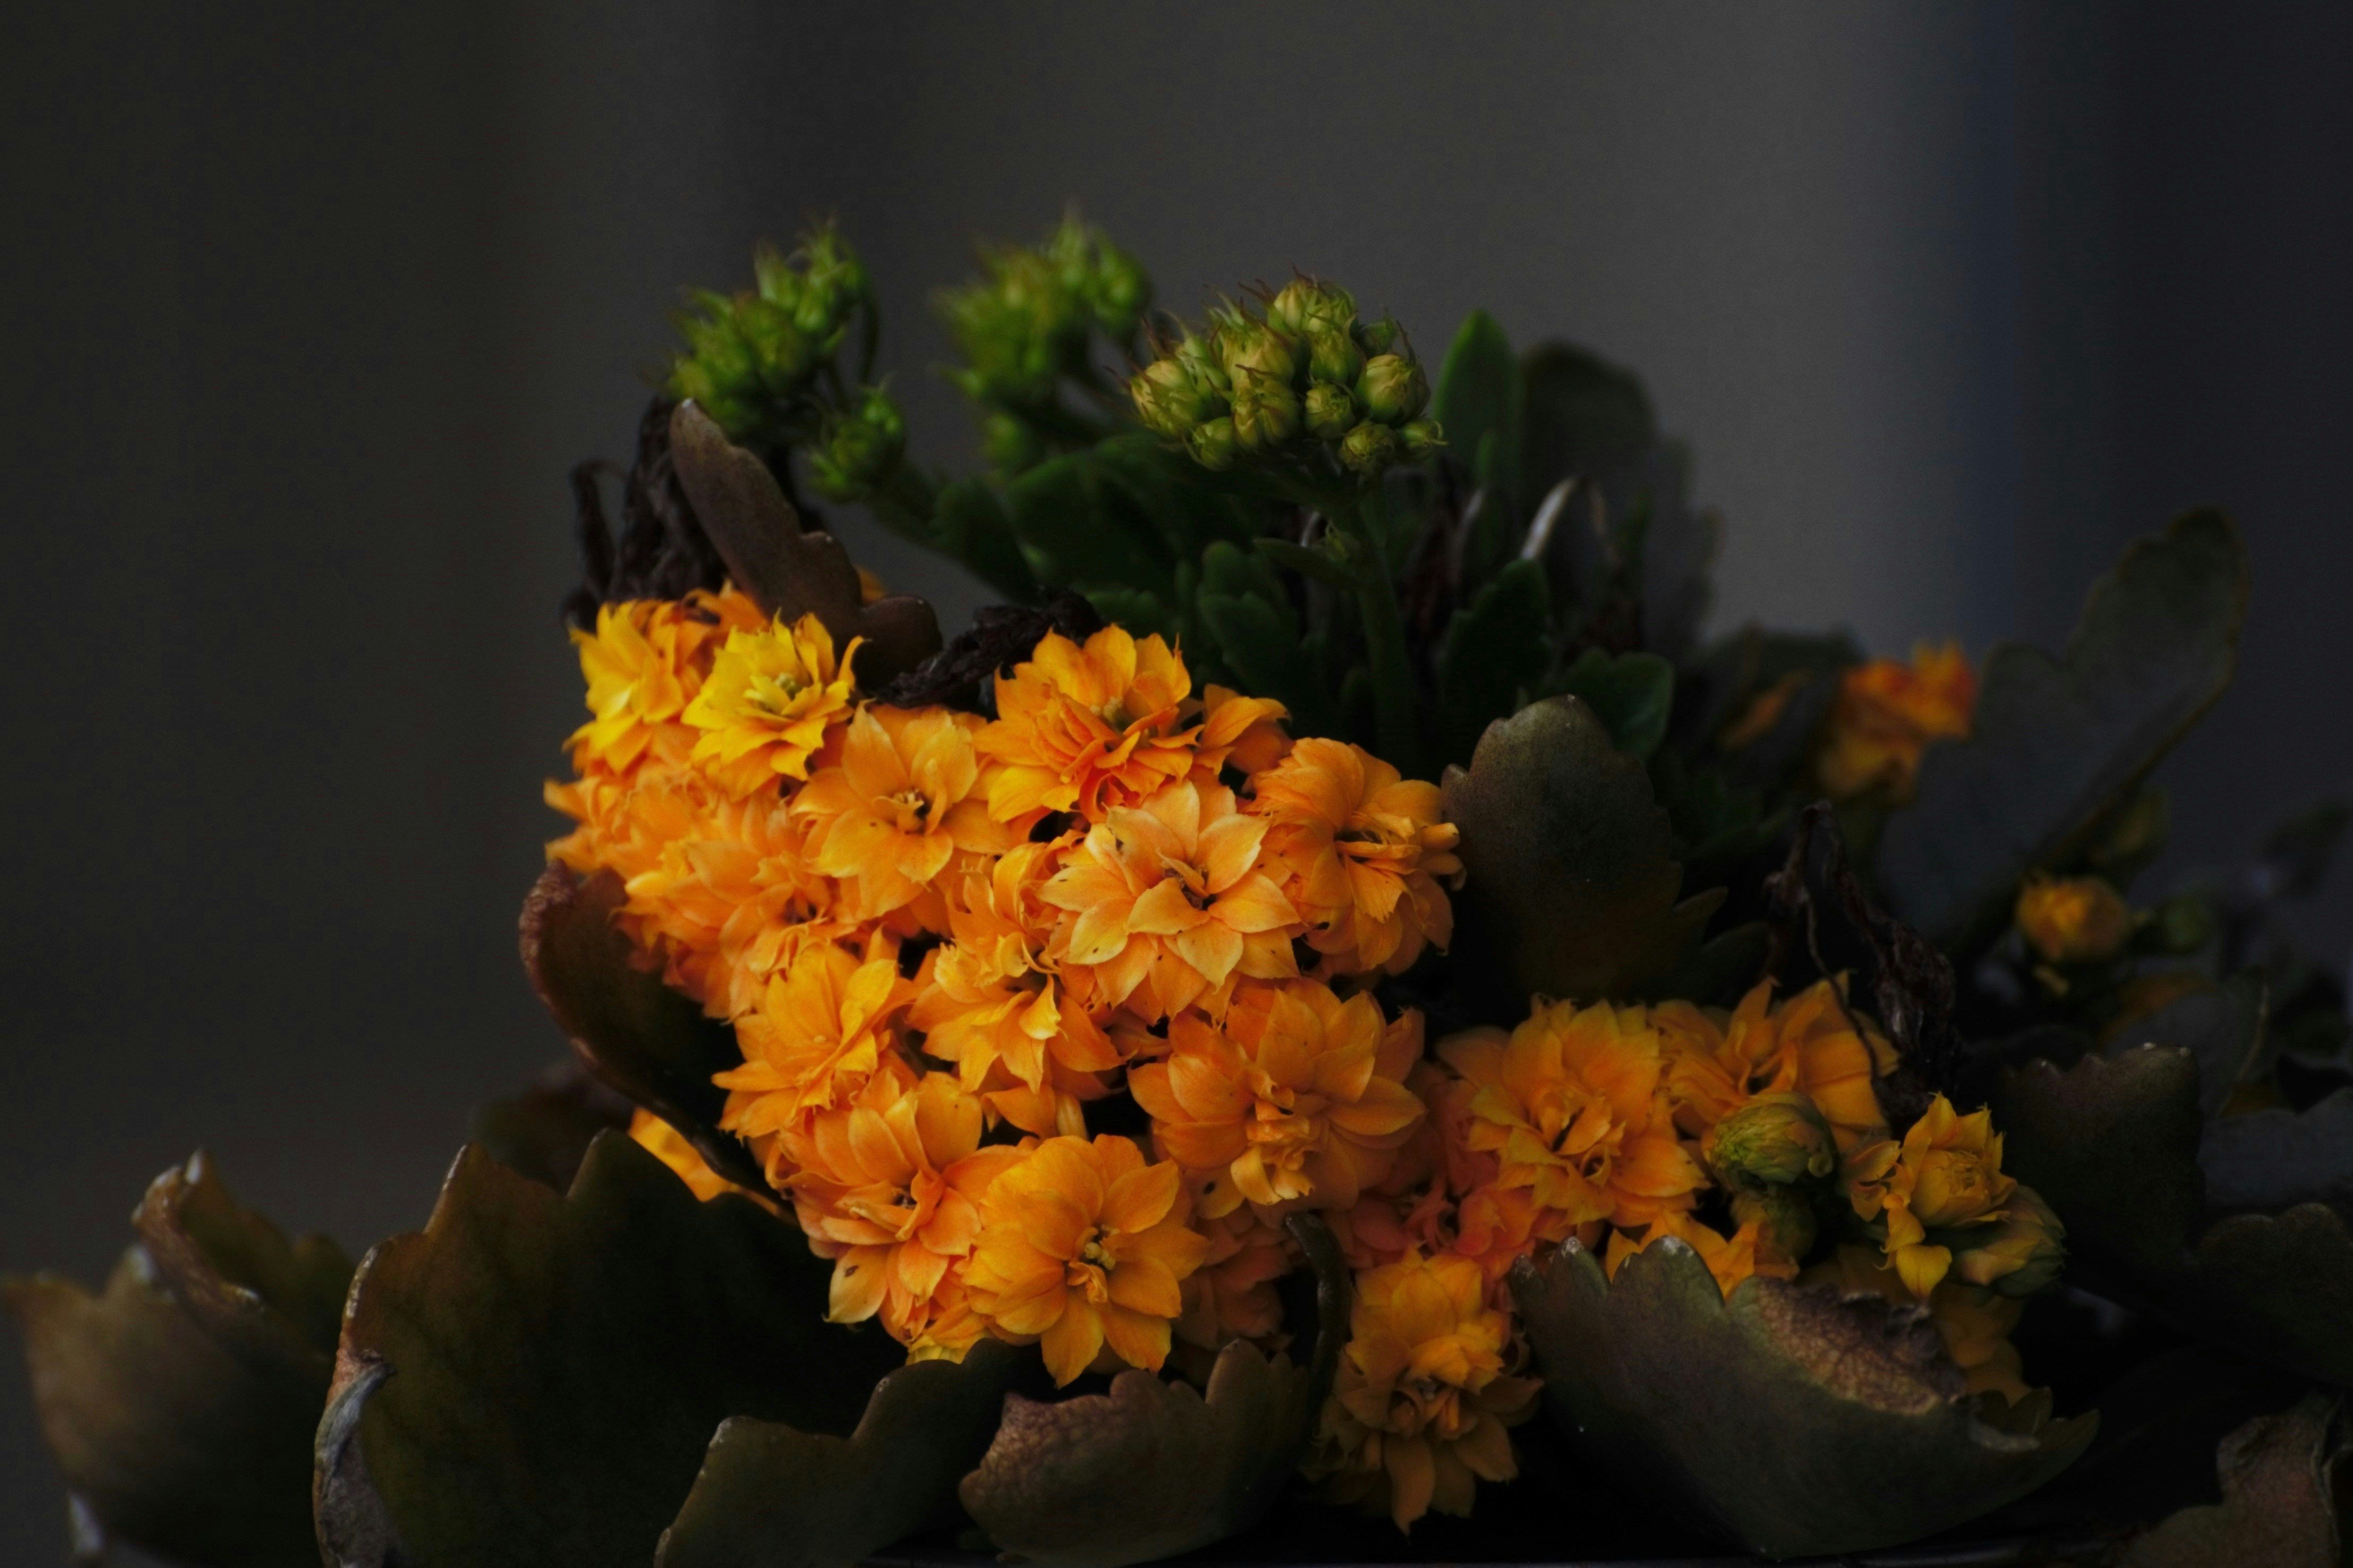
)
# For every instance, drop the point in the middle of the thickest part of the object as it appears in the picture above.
(751, 359)
(1027, 321)
(1304, 373)
(862, 446)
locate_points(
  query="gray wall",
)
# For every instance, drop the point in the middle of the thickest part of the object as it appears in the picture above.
(307, 314)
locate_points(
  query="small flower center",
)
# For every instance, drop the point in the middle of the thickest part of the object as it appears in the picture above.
(911, 810)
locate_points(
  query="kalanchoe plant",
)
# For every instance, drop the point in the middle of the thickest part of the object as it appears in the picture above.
(1333, 1012)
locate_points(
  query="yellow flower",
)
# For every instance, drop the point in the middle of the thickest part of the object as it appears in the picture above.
(888, 1186)
(1420, 1409)
(1717, 1063)
(1888, 714)
(993, 1001)
(666, 1144)
(823, 1028)
(1730, 1259)
(2072, 920)
(1569, 1106)
(901, 802)
(1232, 1296)
(1946, 1173)
(1973, 1324)
(1361, 850)
(1167, 901)
(1300, 1099)
(767, 707)
(1084, 1250)
(643, 665)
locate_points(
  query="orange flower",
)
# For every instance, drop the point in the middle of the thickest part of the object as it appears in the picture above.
(1717, 1062)
(1569, 1106)
(666, 1144)
(888, 1186)
(823, 1028)
(1301, 1096)
(1087, 728)
(1886, 715)
(1232, 1296)
(903, 800)
(993, 1002)
(2072, 920)
(1420, 1410)
(1730, 1259)
(1975, 1324)
(643, 665)
(1084, 1250)
(1167, 898)
(1361, 850)
(773, 695)
(1944, 1175)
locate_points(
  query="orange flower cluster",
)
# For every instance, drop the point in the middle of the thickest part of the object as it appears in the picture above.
(941, 938)
(1887, 714)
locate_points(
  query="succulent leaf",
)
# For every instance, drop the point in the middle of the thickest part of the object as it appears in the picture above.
(1494, 655)
(545, 1131)
(1634, 694)
(2285, 1482)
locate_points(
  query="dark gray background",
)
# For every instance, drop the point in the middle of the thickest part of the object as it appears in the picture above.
(307, 315)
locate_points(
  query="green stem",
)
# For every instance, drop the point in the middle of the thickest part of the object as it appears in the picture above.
(1396, 703)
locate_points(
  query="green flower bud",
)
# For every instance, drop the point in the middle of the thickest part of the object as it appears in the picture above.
(1784, 1218)
(1213, 444)
(1376, 337)
(1774, 1141)
(1420, 437)
(1245, 346)
(1329, 411)
(1171, 398)
(1368, 449)
(2020, 1254)
(862, 445)
(1392, 388)
(1333, 355)
(1265, 410)
(1303, 304)
(1119, 291)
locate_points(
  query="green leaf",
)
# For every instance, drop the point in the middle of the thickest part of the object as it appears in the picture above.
(1317, 561)
(180, 1402)
(1572, 881)
(2112, 1143)
(1495, 651)
(545, 1131)
(2056, 741)
(2222, 1030)
(2283, 1480)
(972, 525)
(1719, 971)
(2268, 1160)
(534, 1378)
(1582, 416)
(1153, 1468)
(772, 1496)
(1258, 637)
(1138, 611)
(1080, 527)
(1477, 404)
(639, 1037)
(1633, 693)
(1790, 1419)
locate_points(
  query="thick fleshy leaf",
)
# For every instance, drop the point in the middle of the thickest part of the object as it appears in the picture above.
(2160, 1426)
(534, 1377)
(771, 1496)
(2265, 1160)
(1494, 653)
(1153, 1468)
(2057, 740)
(1792, 1420)
(1572, 883)
(1582, 416)
(787, 571)
(1634, 693)
(639, 1037)
(2286, 1485)
(2222, 1030)
(545, 1130)
(1477, 404)
(2112, 1143)
(181, 1401)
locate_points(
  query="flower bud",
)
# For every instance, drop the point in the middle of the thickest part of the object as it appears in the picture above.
(1376, 337)
(862, 446)
(1170, 398)
(1392, 388)
(1213, 444)
(1118, 290)
(1265, 411)
(1329, 411)
(1420, 437)
(1786, 1222)
(1245, 346)
(1368, 449)
(2020, 1254)
(1303, 303)
(1773, 1141)
(2073, 919)
(1332, 355)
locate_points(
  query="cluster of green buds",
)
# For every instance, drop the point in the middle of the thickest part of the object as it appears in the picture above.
(1774, 1156)
(753, 358)
(1026, 328)
(861, 448)
(1306, 372)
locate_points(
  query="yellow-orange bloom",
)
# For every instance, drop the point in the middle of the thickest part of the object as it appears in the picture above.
(1717, 1062)
(1730, 1259)
(1420, 1409)
(993, 1001)
(1232, 1296)
(888, 1184)
(2072, 920)
(643, 664)
(1167, 901)
(823, 1028)
(1975, 1324)
(1361, 850)
(1300, 1099)
(772, 695)
(1886, 715)
(1946, 1173)
(1084, 1250)
(903, 800)
(1569, 1106)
